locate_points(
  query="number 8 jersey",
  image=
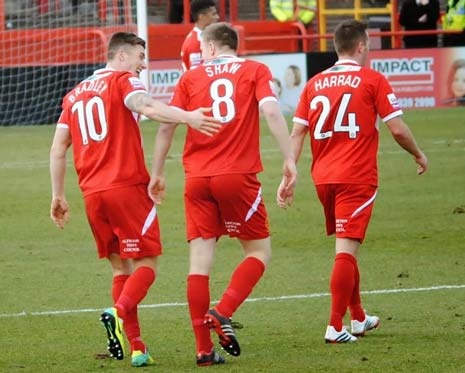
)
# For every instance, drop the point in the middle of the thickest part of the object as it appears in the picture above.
(340, 106)
(107, 144)
(234, 88)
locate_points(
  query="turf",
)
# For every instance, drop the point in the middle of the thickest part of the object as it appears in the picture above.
(415, 241)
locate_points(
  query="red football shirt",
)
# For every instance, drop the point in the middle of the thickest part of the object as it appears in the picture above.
(107, 144)
(340, 106)
(234, 88)
(191, 54)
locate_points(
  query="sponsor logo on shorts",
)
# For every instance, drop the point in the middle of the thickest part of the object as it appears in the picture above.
(232, 226)
(131, 245)
(340, 225)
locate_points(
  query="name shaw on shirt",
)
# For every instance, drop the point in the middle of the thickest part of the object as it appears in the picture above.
(230, 68)
(337, 80)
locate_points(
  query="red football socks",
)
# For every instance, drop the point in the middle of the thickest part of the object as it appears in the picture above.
(135, 289)
(128, 292)
(342, 286)
(243, 280)
(118, 285)
(131, 321)
(198, 298)
(355, 304)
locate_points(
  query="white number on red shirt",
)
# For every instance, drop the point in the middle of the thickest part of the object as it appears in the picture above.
(85, 111)
(351, 127)
(221, 91)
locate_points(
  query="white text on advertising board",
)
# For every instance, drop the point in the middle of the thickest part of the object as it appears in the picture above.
(403, 66)
(405, 71)
(168, 77)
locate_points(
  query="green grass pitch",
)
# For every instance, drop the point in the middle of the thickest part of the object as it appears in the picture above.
(52, 286)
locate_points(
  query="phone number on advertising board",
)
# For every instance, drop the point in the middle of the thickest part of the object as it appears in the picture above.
(416, 102)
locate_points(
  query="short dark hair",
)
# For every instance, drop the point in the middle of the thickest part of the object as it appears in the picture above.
(121, 39)
(348, 34)
(200, 6)
(221, 33)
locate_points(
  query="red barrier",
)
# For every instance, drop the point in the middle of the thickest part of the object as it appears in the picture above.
(61, 46)
(165, 40)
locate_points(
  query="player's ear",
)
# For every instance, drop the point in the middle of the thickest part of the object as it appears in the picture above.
(211, 48)
(121, 55)
(361, 46)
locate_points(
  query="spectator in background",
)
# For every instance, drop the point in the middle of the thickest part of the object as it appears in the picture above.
(454, 19)
(420, 15)
(456, 84)
(283, 10)
(203, 13)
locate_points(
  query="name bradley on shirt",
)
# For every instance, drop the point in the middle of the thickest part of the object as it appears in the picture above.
(97, 86)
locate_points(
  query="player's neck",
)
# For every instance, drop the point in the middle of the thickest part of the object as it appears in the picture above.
(346, 57)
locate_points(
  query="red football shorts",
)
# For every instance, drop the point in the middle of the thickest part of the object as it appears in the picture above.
(347, 208)
(124, 221)
(225, 204)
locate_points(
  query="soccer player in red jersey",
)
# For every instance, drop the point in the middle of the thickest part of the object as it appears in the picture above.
(222, 193)
(100, 120)
(338, 109)
(203, 13)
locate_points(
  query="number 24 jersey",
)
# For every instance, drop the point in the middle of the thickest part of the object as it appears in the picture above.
(340, 106)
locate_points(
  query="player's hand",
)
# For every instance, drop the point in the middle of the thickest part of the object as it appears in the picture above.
(203, 123)
(59, 212)
(285, 194)
(422, 162)
(157, 189)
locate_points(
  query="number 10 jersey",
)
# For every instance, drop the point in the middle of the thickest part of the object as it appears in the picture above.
(107, 145)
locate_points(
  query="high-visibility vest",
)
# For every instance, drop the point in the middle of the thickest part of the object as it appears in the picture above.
(454, 19)
(307, 10)
(283, 10)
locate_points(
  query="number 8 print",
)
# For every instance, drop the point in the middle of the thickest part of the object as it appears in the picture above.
(228, 88)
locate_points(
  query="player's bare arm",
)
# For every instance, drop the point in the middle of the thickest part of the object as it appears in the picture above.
(404, 137)
(163, 141)
(298, 133)
(278, 128)
(143, 104)
(59, 209)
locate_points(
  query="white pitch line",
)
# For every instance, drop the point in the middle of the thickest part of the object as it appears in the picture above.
(261, 299)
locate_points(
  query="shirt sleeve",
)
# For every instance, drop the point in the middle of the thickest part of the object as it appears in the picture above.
(180, 98)
(63, 121)
(129, 84)
(301, 113)
(386, 102)
(264, 85)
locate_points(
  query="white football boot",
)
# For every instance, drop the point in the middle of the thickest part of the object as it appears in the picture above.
(359, 328)
(333, 336)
